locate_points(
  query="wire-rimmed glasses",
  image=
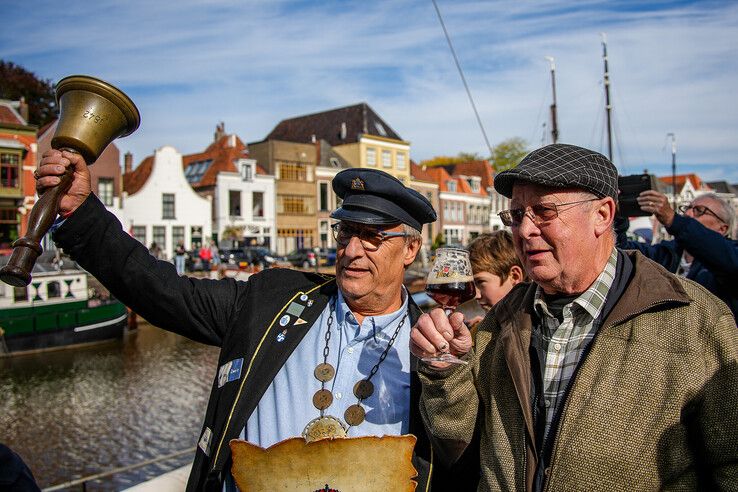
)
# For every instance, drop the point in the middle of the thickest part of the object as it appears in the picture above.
(538, 213)
(371, 239)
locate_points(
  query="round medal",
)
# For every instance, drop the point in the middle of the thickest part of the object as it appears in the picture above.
(322, 399)
(326, 427)
(363, 389)
(324, 372)
(354, 415)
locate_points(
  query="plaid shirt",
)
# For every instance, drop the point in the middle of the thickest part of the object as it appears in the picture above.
(560, 345)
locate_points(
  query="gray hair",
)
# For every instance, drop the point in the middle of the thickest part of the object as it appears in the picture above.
(412, 234)
(725, 212)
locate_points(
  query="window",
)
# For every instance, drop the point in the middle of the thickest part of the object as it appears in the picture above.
(196, 170)
(139, 233)
(400, 160)
(167, 206)
(105, 191)
(386, 158)
(323, 196)
(258, 204)
(53, 289)
(20, 294)
(451, 186)
(247, 171)
(234, 203)
(295, 204)
(293, 171)
(178, 235)
(371, 156)
(9, 164)
(160, 236)
(380, 128)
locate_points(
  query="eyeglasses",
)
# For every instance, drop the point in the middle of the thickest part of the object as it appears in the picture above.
(371, 239)
(699, 211)
(538, 213)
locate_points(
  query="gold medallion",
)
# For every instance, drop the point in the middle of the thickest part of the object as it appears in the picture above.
(363, 389)
(354, 415)
(324, 372)
(322, 399)
(325, 427)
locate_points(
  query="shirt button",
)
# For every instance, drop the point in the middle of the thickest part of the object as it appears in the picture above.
(350, 350)
(557, 346)
(338, 395)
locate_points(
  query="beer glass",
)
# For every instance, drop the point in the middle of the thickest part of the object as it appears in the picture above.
(450, 283)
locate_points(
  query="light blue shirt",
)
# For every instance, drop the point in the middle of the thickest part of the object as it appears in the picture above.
(287, 405)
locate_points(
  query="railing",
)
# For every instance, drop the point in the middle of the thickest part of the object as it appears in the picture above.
(84, 480)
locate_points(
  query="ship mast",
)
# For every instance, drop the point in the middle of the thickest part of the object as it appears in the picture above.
(608, 106)
(554, 119)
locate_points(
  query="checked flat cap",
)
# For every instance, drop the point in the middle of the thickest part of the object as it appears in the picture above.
(563, 166)
(371, 196)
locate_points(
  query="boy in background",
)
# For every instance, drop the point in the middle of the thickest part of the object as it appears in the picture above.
(496, 268)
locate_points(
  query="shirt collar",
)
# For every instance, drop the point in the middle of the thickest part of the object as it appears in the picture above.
(371, 324)
(591, 300)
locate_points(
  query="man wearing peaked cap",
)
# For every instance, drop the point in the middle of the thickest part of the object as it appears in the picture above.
(375, 197)
(606, 372)
(298, 350)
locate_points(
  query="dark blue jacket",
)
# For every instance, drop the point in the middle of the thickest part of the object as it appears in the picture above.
(715, 264)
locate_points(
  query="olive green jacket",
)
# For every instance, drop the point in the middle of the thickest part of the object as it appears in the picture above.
(653, 405)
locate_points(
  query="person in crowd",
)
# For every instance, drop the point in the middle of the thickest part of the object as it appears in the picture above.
(496, 267)
(606, 372)
(276, 329)
(179, 258)
(702, 249)
(205, 256)
(155, 250)
(214, 255)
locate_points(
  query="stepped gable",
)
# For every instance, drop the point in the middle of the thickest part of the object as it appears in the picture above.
(134, 181)
(224, 152)
(359, 119)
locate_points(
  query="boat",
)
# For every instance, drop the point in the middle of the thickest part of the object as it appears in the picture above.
(63, 306)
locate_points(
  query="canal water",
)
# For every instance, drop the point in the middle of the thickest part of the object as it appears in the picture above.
(77, 412)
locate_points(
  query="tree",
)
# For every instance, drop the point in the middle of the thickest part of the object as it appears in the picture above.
(17, 82)
(443, 160)
(508, 153)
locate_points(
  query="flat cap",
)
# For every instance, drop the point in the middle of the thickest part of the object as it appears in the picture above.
(563, 166)
(371, 196)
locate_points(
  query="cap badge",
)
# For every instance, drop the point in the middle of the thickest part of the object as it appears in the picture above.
(357, 184)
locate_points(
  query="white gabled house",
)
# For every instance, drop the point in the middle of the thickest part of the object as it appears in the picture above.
(242, 192)
(162, 207)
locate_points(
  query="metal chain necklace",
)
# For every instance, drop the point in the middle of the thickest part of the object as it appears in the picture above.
(327, 425)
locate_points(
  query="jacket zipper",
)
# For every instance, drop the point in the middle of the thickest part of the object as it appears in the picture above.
(565, 410)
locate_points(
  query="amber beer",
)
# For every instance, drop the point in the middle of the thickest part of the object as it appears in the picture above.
(450, 292)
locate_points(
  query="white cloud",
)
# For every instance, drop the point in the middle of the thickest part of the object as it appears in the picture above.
(190, 64)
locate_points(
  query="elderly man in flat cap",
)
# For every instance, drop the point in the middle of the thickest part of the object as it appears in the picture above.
(606, 372)
(301, 353)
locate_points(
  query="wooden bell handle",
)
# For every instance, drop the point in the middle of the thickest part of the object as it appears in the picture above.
(27, 248)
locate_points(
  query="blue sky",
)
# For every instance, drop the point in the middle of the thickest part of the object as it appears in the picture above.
(191, 64)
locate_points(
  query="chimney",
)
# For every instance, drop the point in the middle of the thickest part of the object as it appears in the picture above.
(219, 131)
(23, 109)
(127, 163)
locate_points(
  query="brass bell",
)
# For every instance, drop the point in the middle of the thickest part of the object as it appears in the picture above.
(92, 113)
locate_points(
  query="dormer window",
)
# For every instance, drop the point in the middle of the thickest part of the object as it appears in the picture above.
(474, 184)
(247, 171)
(451, 186)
